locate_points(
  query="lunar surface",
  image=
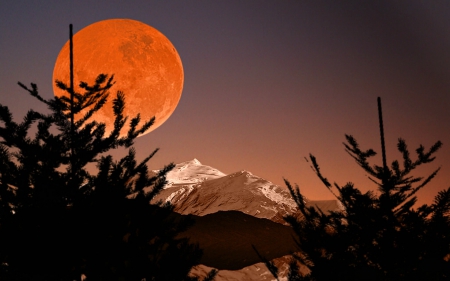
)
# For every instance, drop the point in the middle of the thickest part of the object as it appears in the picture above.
(145, 64)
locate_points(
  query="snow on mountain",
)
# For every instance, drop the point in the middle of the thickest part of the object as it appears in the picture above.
(197, 189)
(255, 272)
(191, 172)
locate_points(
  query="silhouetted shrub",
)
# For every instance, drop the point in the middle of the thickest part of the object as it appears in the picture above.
(379, 235)
(58, 219)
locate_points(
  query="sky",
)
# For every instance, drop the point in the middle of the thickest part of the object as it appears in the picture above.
(268, 82)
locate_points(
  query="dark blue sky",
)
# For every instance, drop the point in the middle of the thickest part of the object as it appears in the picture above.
(268, 82)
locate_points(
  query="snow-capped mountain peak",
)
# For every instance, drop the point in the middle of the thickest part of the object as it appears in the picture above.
(271, 191)
(198, 189)
(191, 172)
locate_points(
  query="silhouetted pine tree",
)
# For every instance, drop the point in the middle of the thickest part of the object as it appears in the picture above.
(379, 235)
(58, 220)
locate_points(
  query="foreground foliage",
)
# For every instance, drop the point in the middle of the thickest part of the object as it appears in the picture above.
(379, 235)
(58, 219)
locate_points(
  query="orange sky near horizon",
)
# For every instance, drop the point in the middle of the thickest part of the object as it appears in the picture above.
(268, 83)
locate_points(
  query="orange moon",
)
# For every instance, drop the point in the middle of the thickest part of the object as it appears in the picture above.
(145, 64)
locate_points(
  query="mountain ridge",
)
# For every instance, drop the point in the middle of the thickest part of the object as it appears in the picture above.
(243, 202)
(194, 188)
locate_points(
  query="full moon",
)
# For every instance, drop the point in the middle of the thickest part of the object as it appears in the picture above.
(145, 64)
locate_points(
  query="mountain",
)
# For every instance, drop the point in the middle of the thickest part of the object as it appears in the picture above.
(254, 272)
(197, 189)
(232, 213)
(192, 172)
(227, 239)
